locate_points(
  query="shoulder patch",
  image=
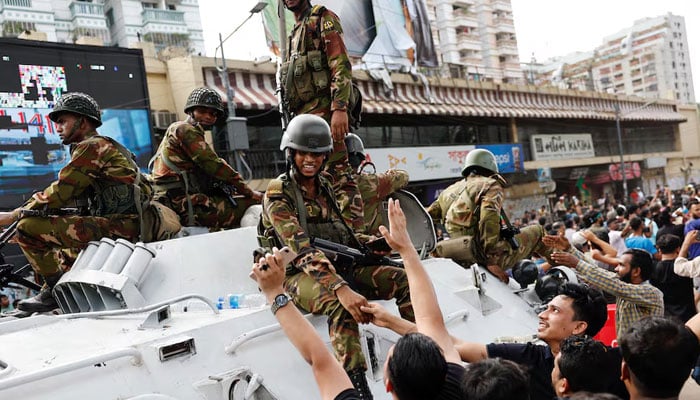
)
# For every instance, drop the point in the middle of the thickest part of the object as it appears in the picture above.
(328, 25)
(275, 189)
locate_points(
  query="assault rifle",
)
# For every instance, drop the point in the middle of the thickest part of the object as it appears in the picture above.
(346, 257)
(283, 107)
(508, 231)
(227, 190)
(52, 212)
(8, 277)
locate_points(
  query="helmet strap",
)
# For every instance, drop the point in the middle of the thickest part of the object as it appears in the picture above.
(74, 129)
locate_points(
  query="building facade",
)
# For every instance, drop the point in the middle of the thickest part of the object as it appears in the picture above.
(649, 59)
(165, 23)
(476, 39)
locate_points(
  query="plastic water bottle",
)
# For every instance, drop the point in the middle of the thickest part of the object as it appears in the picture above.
(220, 303)
(254, 300)
(234, 301)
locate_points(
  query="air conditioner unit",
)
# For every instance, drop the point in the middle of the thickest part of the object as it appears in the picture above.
(163, 119)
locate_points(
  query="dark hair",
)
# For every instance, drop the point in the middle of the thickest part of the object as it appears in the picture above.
(569, 223)
(641, 259)
(635, 223)
(659, 353)
(590, 218)
(583, 395)
(586, 364)
(417, 367)
(495, 379)
(589, 305)
(668, 243)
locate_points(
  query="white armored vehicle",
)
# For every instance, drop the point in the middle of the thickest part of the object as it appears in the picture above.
(145, 321)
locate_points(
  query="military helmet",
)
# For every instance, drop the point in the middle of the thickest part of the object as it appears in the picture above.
(307, 132)
(77, 103)
(354, 144)
(204, 97)
(525, 272)
(481, 158)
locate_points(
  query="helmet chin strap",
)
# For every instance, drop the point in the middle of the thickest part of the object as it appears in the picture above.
(74, 129)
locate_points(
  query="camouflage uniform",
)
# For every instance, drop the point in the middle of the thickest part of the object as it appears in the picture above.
(346, 190)
(313, 280)
(187, 150)
(51, 243)
(328, 88)
(375, 188)
(456, 207)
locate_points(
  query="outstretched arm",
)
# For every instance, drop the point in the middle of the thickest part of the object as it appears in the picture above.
(329, 374)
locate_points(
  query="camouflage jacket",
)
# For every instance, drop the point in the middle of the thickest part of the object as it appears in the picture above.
(374, 189)
(94, 161)
(484, 193)
(280, 213)
(187, 150)
(438, 210)
(325, 34)
(345, 187)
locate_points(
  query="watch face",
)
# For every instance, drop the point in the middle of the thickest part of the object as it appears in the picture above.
(281, 300)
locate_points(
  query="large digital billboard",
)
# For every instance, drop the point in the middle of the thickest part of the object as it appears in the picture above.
(33, 75)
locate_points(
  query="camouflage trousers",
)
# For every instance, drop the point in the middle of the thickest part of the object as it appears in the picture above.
(51, 244)
(375, 283)
(530, 241)
(215, 212)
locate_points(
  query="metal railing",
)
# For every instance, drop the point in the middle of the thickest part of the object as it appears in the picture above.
(167, 16)
(83, 8)
(16, 3)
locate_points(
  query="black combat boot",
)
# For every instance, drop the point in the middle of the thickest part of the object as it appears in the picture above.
(358, 378)
(44, 301)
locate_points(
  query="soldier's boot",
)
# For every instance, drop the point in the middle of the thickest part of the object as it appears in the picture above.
(358, 377)
(44, 301)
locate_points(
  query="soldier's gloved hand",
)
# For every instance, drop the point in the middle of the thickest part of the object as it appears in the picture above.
(352, 301)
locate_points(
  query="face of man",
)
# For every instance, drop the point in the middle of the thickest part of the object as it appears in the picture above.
(557, 321)
(71, 127)
(624, 269)
(4, 301)
(308, 164)
(295, 5)
(205, 115)
(556, 376)
(695, 211)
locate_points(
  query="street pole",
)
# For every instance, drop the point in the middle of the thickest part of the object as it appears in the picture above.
(622, 153)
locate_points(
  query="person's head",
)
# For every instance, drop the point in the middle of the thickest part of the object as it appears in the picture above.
(613, 224)
(636, 224)
(75, 115)
(601, 234)
(4, 300)
(306, 144)
(584, 395)
(481, 162)
(559, 227)
(694, 208)
(204, 106)
(633, 210)
(495, 379)
(577, 310)
(569, 223)
(297, 6)
(657, 356)
(582, 363)
(356, 150)
(636, 266)
(668, 244)
(415, 368)
(592, 217)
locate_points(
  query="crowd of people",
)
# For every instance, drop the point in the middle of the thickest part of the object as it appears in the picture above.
(641, 256)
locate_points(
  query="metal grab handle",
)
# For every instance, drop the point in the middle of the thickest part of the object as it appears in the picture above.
(456, 316)
(135, 354)
(112, 313)
(255, 333)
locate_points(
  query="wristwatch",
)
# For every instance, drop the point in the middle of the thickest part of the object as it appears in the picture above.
(281, 300)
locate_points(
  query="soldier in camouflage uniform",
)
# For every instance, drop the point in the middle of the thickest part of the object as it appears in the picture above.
(186, 169)
(471, 207)
(300, 204)
(316, 76)
(374, 187)
(99, 176)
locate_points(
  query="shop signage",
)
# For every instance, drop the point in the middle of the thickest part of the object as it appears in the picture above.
(655, 162)
(560, 147)
(508, 156)
(421, 163)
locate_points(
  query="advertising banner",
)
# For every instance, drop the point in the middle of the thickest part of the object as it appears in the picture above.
(560, 147)
(422, 163)
(508, 156)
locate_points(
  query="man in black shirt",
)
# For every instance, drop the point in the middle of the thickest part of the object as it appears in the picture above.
(679, 300)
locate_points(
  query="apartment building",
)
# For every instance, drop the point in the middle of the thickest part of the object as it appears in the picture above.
(649, 59)
(106, 22)
(476, 39)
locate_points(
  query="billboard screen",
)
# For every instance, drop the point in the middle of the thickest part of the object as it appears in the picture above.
(33, 76)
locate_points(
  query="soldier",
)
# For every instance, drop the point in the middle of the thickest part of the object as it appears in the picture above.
(373, 187)
(473, 207)
(316, 76)
(187, 171)
(98, 177)
(299, 205)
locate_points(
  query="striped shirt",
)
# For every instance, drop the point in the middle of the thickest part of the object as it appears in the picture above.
(634, 301)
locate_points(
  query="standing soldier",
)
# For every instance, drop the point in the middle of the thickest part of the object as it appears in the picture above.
(191, 178)
(374, 187)
(472, 207)
(316, 76)
(99, 179)
(300, 205)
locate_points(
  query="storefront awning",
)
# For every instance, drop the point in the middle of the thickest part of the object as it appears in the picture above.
(256, 91)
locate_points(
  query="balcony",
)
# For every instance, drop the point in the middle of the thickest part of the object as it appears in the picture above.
(501, 5)
(85, 9)
(15, 4)
(163, 16)
(468, 20)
